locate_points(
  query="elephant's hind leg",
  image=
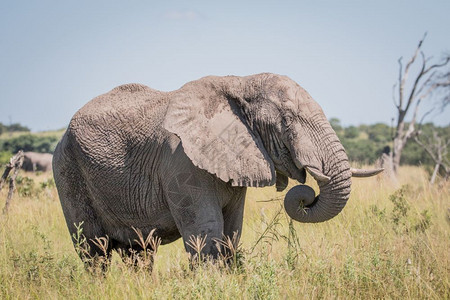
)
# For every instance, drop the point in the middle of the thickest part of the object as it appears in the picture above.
(88, 236)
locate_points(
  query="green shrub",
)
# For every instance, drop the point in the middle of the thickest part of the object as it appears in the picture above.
(49, 183)
(29, 142)
(351, 132)
(25, 186)
(401, 206)
(4, 158)
(424, 221)
(15, 127)
(401, 219)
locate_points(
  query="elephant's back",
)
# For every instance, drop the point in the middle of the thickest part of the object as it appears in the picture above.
(106, 128)
(127, 109)
(121, 102)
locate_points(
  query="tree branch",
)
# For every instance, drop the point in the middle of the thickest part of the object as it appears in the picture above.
(15, 163)
(437, 65)
(425, 147)
(426, 83)
(400, 84)
(424, 116)
(416, 82)
(393, 97)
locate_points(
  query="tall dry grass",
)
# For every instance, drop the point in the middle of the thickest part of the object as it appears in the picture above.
(389, 242)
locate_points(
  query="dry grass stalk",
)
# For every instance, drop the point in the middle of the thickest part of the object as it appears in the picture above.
(229, 249)
(197, 243)
(143, 259)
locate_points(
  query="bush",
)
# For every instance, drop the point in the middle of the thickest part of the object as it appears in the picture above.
(380, 133)
(414, 154)
(49, 183)
(25, 186)
(13, 128)
(361, 150)
(336, 125)
(402, 220)
(4, 157)
(29, 142)
(351, 132)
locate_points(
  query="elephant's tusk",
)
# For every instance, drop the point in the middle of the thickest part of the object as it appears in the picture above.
(364, 172)
(319, 176)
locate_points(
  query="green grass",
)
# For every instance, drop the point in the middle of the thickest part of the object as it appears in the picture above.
(389, 242)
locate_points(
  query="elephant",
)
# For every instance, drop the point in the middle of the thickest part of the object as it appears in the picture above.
(34, 161)
(180, 162)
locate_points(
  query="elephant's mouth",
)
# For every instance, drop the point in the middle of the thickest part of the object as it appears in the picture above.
(298, 174)
(291, 170)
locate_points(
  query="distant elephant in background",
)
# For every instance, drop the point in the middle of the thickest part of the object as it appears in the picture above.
(180, 162)
(34, 161)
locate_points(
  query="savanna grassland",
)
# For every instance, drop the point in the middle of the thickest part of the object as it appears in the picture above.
(389, 242)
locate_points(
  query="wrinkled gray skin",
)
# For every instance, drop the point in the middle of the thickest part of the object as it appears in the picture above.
(34, 161)
(181, 161)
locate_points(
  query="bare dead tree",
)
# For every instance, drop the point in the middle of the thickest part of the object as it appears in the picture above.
(437, 147)
(409, 93)
(15, 163)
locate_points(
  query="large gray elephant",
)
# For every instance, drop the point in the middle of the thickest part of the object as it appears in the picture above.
(181, 161)
(34, 161)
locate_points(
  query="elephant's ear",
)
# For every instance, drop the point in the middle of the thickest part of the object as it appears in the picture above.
(215, 138)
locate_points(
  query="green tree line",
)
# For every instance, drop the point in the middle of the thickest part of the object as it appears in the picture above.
(15, 127)
(366, 143)
(17, 137)
(29, 142)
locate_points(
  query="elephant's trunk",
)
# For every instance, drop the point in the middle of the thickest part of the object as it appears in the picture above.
(334, 180)
(302, 205)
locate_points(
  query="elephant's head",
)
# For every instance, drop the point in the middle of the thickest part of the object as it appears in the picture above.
(257, 131)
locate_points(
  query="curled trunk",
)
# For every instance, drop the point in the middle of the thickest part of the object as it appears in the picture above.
(302, 205)
(332, 172)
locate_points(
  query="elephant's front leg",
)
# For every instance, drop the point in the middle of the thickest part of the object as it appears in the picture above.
(200, 222)
(233, 214)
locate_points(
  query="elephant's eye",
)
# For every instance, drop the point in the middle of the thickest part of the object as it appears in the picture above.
(288, 120)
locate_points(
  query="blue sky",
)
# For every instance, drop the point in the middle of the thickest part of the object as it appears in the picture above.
(57, 55)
